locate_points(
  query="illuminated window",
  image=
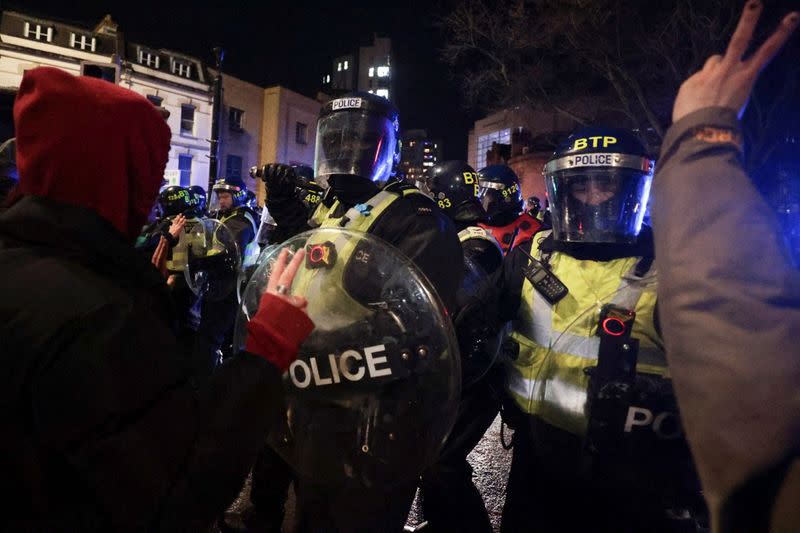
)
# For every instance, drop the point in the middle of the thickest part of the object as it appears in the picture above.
(339, 67)
(182, 69)
(383, 92)
(329, 78)
(485, 143)
(383, 72)
(187, 119)
(149, 58)
(82, 42)
(185, 168)
(345, 65)
(371, 72)
(38, 32)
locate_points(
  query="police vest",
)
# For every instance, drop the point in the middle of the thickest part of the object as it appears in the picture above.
(527, 225)
(188, 237)
(558, 343)
(252, 249)
(338, 303)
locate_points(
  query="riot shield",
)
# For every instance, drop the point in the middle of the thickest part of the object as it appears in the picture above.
(375, 388)
(212, 260)
(478, 330)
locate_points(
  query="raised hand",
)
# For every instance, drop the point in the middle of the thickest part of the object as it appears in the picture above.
(727, 80)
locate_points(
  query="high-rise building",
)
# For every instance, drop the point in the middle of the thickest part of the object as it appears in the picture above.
(368, 70)
(419, 153)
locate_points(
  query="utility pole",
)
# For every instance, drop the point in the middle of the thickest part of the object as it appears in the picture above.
(216, 115)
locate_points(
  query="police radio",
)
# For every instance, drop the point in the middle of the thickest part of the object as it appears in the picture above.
(545, 282)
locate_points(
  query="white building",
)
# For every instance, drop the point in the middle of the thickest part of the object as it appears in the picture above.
(172, 80)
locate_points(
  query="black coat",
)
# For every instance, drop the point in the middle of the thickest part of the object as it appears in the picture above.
(103, 426)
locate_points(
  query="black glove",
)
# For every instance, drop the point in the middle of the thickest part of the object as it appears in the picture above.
(280, 179)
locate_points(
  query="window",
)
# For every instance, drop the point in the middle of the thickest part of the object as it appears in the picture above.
(149, 58)
(339, 67)
(371, 72)
(103, 72)
(233, 166)
(235, 117)
(38, 32)
(329, 78)
(301, 133)
(82, 42)
(345, 65)
(383, 92)
(187, 119)
(155, 100)
(383, 72)
(182, 69)
(185, 167)
(485, 143)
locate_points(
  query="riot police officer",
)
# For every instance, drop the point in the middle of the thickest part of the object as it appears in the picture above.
(597, 444)
(450, 500)
(501, 196)
(8, 169)
(357, 152)
(200, 201)
(218, 316)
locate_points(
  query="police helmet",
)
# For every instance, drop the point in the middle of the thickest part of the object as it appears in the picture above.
(598, 183)
(500, 194)
(199, 195)
(453, 185)
(357, 137)
(233, 186)
(174, 200)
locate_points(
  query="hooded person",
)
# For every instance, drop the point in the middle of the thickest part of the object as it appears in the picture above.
(105, 428)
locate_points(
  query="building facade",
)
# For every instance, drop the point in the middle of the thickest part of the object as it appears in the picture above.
(172, 80)
(289, 128)
(242, 118)
(419, 153)
(369, 70)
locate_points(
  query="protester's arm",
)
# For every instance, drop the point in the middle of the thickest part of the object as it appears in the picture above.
(157, 451)
(729, 299)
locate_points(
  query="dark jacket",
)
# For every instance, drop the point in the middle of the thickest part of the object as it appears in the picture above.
(729, 301)
(103, 427)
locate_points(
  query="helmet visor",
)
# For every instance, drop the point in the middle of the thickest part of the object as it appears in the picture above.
(602, 205)
(355, 143)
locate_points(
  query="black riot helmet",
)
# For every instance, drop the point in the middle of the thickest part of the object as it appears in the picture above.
(358, 139)
(174, 200)
(453, 185)
(199, 195)
(233, 186)
(308, 191)
(598, 183)
(500, 194)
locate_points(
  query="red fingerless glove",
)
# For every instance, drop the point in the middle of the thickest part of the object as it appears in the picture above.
(277, 330)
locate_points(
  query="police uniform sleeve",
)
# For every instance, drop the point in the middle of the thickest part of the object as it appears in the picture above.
(429, 239)
(291, 217)
(510, 280)
(729, 303)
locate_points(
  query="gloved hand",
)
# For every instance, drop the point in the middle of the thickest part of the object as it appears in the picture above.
(280, 179)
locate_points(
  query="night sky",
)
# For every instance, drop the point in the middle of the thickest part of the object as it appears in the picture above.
(293, 44)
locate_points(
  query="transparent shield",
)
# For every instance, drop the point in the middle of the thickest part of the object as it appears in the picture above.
(479, 335)
(375, 387)
(212, 260)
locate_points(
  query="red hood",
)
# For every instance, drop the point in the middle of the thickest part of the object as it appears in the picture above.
(87, 142)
